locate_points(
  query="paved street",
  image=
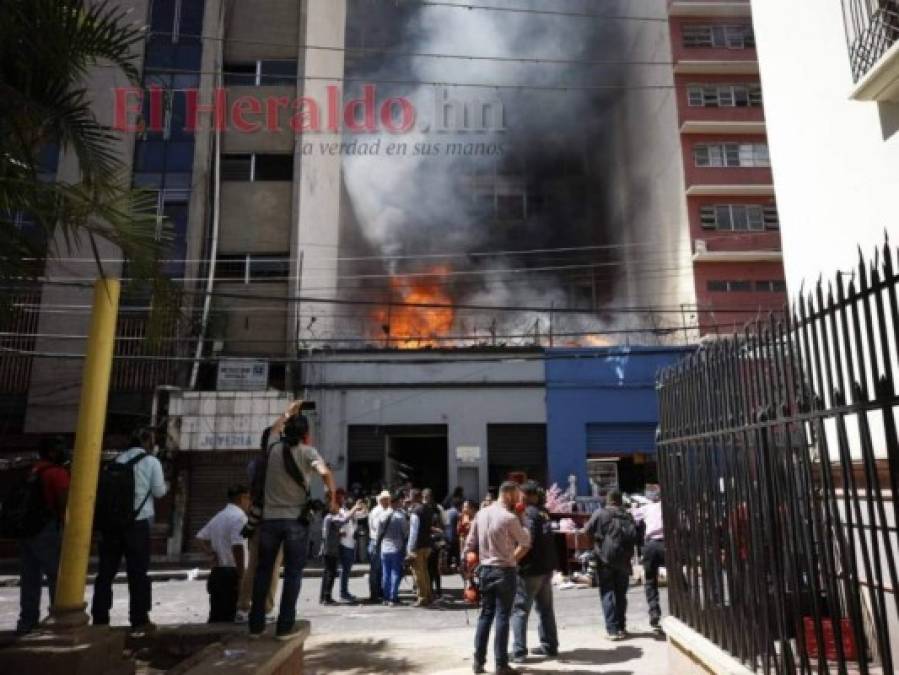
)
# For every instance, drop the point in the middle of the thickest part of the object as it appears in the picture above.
(362, 639)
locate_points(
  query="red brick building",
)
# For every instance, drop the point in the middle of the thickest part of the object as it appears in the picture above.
(733, 220)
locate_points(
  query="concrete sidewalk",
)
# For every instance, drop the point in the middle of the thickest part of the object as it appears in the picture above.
(449, 652)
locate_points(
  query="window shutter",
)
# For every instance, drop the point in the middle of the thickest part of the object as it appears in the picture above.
(707, 217)
(772, 219)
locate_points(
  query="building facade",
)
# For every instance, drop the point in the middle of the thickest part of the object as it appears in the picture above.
(734, 225)
(835, 169)
(602, 415)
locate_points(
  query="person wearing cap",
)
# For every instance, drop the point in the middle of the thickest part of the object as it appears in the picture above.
(375, 517)
(649, 518)
(534, 587)
(501, 541)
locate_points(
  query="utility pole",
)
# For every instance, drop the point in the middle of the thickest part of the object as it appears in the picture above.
(68, 605)
(551, 316)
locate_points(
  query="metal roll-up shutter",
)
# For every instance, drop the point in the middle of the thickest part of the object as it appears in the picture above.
(620, 439)
(516, 448)
(211, 474)
(365, 443)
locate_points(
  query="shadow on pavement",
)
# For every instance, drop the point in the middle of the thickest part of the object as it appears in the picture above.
(598, 657)
(353, 657)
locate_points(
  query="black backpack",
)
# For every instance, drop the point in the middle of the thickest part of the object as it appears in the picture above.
(619, 536)
(115, 496)
(24, 512)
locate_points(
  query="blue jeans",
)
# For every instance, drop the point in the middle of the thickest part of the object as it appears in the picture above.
(375, 587)
(531, 590)
(294, 536)
(39, 558)
(613, 584)
(392, 575)
(497, 587)
(347, 558)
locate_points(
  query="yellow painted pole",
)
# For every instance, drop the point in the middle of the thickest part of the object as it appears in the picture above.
(68, 606)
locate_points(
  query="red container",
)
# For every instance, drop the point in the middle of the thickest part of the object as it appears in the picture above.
(850, 650)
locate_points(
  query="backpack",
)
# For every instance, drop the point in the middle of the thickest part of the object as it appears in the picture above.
(24, 512)
(115, 510)
(619, 536)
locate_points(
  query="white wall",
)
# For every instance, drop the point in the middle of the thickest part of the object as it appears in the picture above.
(465, 397)
(836, 176)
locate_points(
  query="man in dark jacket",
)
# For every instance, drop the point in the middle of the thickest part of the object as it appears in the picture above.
(535, 581)
(419, 547)
(615, 535)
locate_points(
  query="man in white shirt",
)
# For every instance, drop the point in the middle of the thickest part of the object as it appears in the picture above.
(133, 540)
(649, 517)
(348, 543)
(222, 541)
(376, 595)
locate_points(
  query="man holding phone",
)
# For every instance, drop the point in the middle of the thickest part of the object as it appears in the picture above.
(290, 465)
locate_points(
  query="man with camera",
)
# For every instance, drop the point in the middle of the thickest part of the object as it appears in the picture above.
(290, 465)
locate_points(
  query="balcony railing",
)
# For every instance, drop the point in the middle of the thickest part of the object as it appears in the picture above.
(872, 27)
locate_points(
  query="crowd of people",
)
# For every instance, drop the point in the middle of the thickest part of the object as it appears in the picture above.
(505, 548)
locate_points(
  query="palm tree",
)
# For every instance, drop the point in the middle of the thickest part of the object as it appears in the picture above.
(47, 50)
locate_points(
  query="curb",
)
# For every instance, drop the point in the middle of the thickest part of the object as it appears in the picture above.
(195, 574)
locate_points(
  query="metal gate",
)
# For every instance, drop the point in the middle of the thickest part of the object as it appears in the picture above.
(779, 461)
(516, 447)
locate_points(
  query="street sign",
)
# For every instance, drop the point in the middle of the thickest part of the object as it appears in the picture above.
(242, 375)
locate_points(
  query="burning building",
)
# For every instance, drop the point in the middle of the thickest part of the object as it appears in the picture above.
(426, 181)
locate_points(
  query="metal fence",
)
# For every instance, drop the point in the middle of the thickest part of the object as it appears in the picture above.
(779, 460)
(872, 27)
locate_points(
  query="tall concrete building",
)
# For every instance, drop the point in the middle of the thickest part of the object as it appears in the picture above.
(233, 130)
(733, 217)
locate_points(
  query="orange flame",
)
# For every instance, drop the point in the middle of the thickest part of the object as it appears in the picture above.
(413, 327)
(595, 341)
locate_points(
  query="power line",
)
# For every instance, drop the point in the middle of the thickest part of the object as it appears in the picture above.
(522, 355)
(415, 54)
(455, 254)
(290, 299)
(433, 83)
(547, 12)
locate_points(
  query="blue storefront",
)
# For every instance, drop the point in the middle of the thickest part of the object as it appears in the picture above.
(602, 414)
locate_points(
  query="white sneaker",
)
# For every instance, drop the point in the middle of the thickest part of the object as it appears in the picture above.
(241, 617)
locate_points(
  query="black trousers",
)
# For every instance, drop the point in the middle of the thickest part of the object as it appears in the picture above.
(223, 587)
(134, 544)
(434, 570)
(329, 575)
(653, 559)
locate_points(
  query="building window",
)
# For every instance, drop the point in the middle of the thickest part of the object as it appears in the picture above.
(776, 286)
(765, 286)
(257, 167)
(724, 96)
(719, 36)
(731, 155)
(738, 217)
(272, 72)
(255, 268)
(729, 286)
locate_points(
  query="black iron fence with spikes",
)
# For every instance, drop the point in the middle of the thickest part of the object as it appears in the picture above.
(779, 461)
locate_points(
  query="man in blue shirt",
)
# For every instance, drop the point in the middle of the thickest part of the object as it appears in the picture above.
(133, 541)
